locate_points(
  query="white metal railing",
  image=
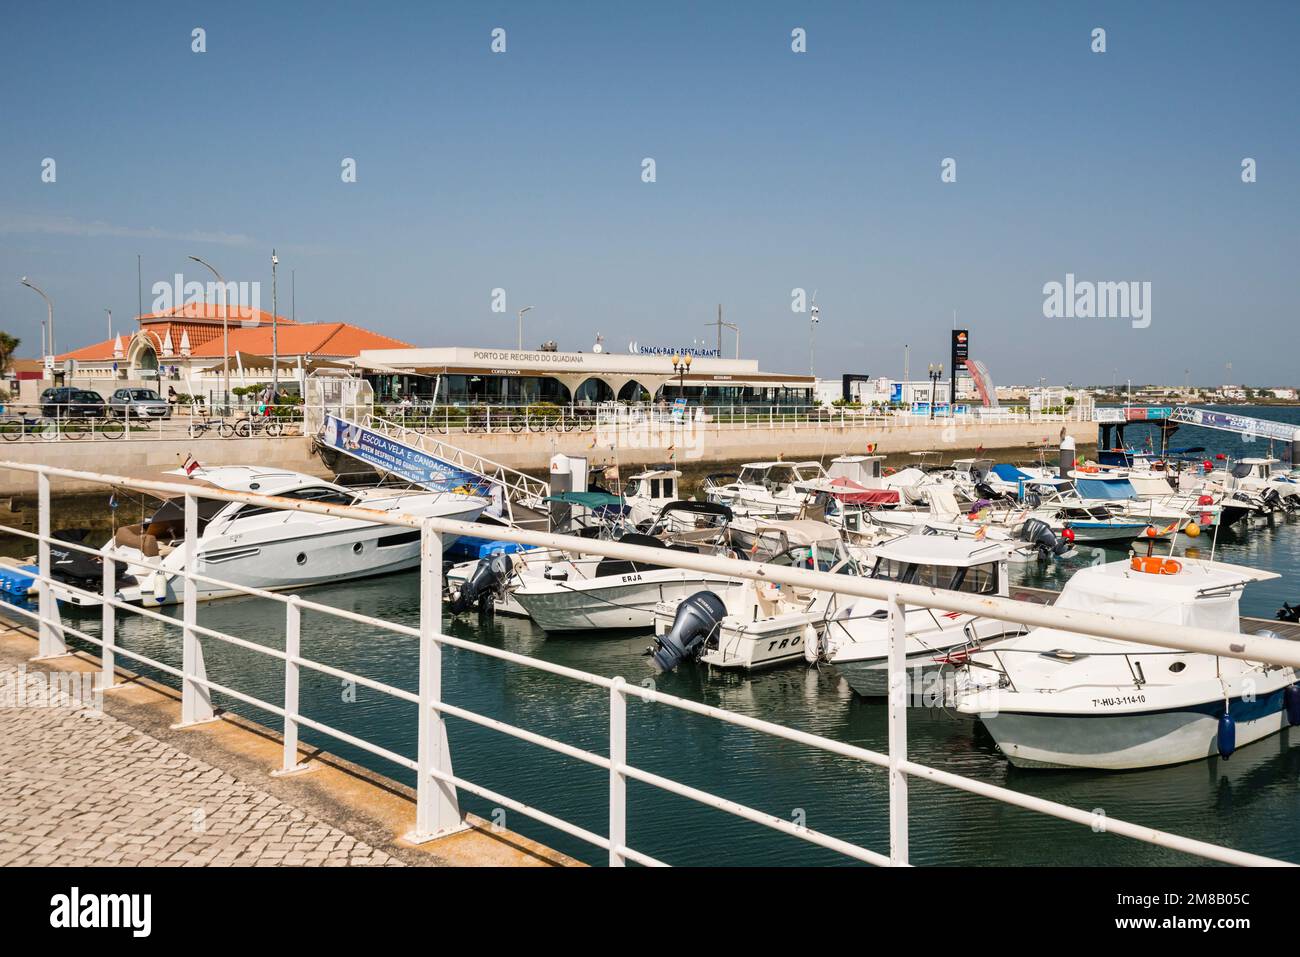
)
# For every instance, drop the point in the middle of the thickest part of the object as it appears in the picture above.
(501, 419)
(54, 423)
(437, 809)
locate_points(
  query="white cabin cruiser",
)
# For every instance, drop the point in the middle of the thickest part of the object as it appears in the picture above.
(755, 623)
(276, 549)
(648, 491)
(1054, 698)
(855, 638)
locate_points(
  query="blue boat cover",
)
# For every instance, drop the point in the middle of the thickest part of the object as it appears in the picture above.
(1111, 489)
(1009, 473)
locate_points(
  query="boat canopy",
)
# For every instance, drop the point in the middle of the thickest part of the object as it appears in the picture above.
(1111, 489)
(800, 531)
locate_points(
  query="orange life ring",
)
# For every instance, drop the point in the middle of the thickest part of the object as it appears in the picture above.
(1155, 565)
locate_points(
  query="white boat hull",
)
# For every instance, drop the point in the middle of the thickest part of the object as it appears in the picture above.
(582, 605)
(1116, 742)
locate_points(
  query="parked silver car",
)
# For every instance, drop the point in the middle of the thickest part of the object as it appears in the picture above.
(139, 404)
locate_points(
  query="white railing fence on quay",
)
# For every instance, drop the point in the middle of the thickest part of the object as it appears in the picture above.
(43, 423)
(480, 417)
(437, 809)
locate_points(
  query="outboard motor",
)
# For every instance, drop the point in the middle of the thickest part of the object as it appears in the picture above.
(1038, 532)
(486, 581)
(1289, 612)
(698, 618)
(985, 490)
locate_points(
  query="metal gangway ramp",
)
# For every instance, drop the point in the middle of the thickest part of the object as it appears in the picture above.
(521, 495)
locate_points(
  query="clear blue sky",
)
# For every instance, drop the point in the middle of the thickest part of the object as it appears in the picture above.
(775, 170)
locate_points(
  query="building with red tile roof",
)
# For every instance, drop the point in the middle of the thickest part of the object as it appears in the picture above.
(186, 340)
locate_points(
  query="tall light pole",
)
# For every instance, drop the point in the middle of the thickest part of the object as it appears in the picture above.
(110, 322)
(225, 336)
(814, 318)
(275, 340)
(520, 343)
(935, 373)
(50, 320)
(682, 365)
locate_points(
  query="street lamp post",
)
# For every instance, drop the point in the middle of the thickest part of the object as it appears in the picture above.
(519, 344)
(936, 373)
(275, 334)
(225, 336)
(49, 306)
(681, 366)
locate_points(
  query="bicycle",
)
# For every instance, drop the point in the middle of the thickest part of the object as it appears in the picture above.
(257, 424)
(14, 429)
(199, 428)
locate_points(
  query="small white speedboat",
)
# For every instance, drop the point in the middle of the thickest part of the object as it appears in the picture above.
(756, 623)
(1058, 699)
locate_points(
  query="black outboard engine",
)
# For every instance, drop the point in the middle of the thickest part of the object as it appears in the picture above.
(698, 618)
(1039, 533)
(1289, 612)
(985, 490)
(1271, 499)
(486, 582)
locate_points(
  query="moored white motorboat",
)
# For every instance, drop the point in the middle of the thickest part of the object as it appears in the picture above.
(275, 549)
(1054, 698)
(755, 623)
(855, 638)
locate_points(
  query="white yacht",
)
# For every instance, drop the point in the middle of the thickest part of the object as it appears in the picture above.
(855, 638)
(1054, 698)
(275, 549)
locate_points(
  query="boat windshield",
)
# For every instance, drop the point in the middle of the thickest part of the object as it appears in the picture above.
(819, 556)
(752, 476)
(1242, 470)
(312, 493)
(978, 579)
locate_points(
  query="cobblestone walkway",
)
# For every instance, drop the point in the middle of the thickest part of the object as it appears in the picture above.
(78, 786)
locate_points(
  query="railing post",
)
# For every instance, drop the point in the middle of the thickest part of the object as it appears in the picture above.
(292, 654)
(108, 623)
(897, 731)
(196, 699)
(617, 777)
(437, 811)
(50, 643)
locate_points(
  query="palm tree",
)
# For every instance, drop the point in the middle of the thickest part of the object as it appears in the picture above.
(8, 346)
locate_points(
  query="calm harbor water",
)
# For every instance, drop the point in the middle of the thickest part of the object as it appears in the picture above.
(1250, 802)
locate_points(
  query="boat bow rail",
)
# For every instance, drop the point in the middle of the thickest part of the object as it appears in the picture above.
(437, 811)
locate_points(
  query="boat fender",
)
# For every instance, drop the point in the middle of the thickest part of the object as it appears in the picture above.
(812, 646)
(698, 618)
(1291, 700)
(1227, 737)
(159, 586)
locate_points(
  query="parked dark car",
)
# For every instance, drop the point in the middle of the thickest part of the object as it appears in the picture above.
(68, 403)
(139, 404)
